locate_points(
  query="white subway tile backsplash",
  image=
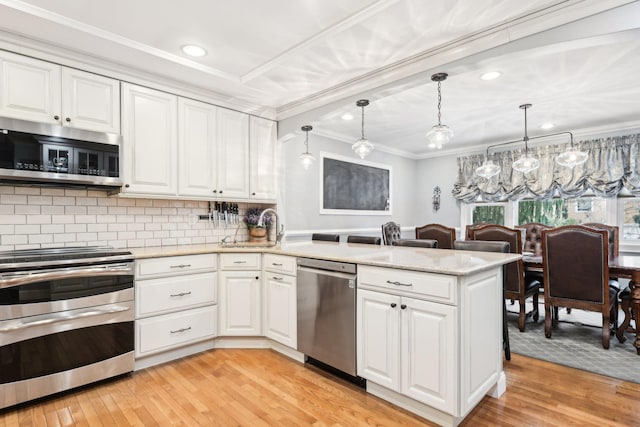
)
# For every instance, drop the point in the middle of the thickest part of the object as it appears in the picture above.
(32, 217)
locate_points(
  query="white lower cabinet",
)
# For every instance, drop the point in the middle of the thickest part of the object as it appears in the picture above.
(280, 299)
(176, 303)
(239, 296)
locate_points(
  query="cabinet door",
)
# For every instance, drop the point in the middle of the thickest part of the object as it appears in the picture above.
(90, 101)
(233, 154)
(29, 89)
(196, 148)
(239, 302)
(378, 338)
(428, 353)
(280, 313)
(150, 140)
(263, 158)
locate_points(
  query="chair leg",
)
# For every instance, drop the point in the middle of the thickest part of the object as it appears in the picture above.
(547, 320)
(523, 314)
(536, 308)
(626, 309)
(505, 331)
(606, 331)
(556, 316)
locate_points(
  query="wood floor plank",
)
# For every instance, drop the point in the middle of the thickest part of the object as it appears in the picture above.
(263, 388)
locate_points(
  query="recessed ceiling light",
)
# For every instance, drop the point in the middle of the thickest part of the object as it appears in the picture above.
(547, 126)
(347, 116)
(491, 75)
(193, 50)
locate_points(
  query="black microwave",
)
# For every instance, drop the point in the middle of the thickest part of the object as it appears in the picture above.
(34, 152)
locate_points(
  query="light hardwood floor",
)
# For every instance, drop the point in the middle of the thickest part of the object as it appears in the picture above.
(264, 388)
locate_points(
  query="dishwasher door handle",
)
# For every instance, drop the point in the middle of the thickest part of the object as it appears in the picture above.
(328, 273)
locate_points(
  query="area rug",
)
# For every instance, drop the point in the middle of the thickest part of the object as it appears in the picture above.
(575, 342)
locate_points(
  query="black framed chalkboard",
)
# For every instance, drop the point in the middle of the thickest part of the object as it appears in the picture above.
(354, 187)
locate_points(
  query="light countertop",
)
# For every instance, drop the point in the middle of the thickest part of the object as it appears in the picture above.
(441, 261)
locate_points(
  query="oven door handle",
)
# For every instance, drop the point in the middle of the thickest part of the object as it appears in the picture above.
(18, 278)
(61, 317)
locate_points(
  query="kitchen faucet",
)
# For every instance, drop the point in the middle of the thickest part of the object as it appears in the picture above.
(279, 233)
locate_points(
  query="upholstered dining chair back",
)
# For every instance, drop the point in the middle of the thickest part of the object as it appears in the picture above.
(443, 234)
(416, 243)
(533, 237)
(518, 287)
(370, 240)
(576, 273)
(390, 232)
(613, 237)
(326, 237)
(468, 228)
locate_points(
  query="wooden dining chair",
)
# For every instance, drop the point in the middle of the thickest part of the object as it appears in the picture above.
(390, 232)
(416, 243)
(533, 237)
(575, 260)
(369, 240)
(482, 246)
(519, 287)
(443, 234)
(325, 237)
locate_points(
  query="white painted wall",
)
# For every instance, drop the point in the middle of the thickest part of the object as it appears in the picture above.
(442, 172)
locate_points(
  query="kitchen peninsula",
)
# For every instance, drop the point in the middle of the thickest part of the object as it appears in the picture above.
(429, 321)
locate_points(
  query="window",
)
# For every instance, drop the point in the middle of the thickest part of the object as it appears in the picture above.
(491, 214)
(557, 212)
(630, 219)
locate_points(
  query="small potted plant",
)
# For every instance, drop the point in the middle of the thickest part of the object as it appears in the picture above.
(257, 234)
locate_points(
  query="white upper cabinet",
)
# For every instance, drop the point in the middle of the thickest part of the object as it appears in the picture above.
(40, 91)
(150, 140)
(90, 101)
(196, 148)
(233, 154)
(29, 89)
(263, 158)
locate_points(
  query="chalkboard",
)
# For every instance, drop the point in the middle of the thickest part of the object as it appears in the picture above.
(354, 187)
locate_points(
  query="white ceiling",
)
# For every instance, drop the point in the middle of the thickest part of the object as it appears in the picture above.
(312, 59)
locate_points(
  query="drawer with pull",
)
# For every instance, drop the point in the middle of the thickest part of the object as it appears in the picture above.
(175, 265)
(240, 261)
(163, 295)
(160, 333)
(428, 286)
(280, 264)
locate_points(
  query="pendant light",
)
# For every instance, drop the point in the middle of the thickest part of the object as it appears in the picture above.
(306, 158)
(572, 157)
(526, 163)
(488, 168)
(362, 147)
(440, 134)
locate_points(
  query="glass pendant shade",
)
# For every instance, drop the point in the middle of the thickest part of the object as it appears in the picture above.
(439, 135)
(307, 160)
(572, 158)
(526, 164)
(362, 147)
(488, 169)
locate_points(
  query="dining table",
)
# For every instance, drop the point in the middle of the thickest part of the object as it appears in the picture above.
(625, 266)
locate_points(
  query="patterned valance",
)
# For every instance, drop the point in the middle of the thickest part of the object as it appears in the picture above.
(613, 164)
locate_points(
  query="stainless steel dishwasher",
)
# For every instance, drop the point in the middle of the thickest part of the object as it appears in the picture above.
(327, 313)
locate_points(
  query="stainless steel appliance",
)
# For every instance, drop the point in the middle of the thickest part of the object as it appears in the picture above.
(66, 319)
(327, 313)
(54, 154)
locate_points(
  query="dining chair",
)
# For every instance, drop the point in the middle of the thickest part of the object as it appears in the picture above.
(325, 237)
(519, 287)
(575, 260)
(468, 228)
(481, 246)
(416, 243)
(532, 237)
(370, 240)
(390, 232)
(443, 234)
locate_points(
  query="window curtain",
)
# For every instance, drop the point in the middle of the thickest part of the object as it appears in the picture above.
(613, 165)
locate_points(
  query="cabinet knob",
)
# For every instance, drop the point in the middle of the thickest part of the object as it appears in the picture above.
(126, 186)
(253, 194)
(220, 191)
(393, 305)
(403, 306)
(56, 117)
(68, 119)
(257, 278)
(215, 191)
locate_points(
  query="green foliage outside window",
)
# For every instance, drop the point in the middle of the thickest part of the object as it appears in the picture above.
(550, 212)
(489, 214)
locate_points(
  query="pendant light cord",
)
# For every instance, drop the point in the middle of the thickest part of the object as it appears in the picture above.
(439, 102)
(362, 128)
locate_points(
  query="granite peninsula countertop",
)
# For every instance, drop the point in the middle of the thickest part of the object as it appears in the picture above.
(440, 261)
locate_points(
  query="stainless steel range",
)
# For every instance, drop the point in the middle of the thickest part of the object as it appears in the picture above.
(66, 319)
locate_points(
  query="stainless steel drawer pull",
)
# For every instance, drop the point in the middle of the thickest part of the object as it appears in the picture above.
(239, 262)
(181, 294)
(276, 264)
(61, 317)
(177, 331)
(181, 266)
(399, 284)
(277, 278)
